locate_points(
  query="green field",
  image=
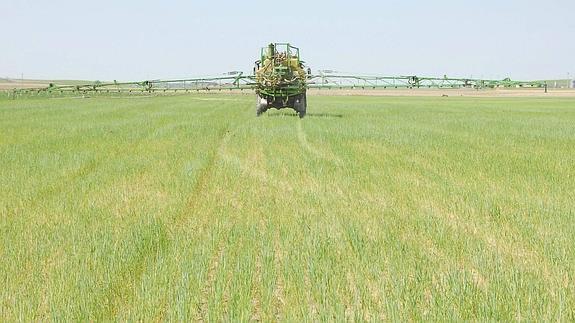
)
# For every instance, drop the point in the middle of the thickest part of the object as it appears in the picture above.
(190, 208)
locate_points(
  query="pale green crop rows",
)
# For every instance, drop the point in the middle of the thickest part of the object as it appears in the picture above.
(189, 207)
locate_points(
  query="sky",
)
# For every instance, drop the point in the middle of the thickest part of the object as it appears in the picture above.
(137, 40)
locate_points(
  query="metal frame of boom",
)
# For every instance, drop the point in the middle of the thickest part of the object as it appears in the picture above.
(344, 81)
(240, 81)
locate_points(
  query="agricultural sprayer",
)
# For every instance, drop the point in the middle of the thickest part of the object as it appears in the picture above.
(280, 80)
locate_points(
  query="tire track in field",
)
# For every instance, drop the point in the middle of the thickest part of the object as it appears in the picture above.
(202, 180)
(278, 293)
(314, 151)
(264, 177)
(202, 183)
(149, 244)
(151, 240)
(194, 201)
(518, 252)
(250, 169)
(208, 288)
(94, 164)
(143, 140)
(312, 304)
(256, 291)
(152, 244)
(352, 301)
(257, 174)
(65, 181)
(119, 293)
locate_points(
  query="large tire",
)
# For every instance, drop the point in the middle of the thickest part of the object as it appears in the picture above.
(261, 105)
(300, 105)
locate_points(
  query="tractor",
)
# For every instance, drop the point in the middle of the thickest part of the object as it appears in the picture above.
(281, 79)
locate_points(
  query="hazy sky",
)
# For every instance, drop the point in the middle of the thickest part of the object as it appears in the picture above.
(139, 39)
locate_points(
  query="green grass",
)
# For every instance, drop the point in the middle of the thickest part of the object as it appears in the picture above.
(189, 207)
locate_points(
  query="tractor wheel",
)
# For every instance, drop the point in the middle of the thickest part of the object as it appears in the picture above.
(300, 105)
(261, 105)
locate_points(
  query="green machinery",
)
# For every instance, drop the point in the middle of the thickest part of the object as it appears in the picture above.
(280, 80)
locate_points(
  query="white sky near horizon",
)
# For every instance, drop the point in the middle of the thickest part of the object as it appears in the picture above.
(136, 40)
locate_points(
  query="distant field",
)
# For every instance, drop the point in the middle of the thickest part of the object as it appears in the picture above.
(190, 207)
(8, 84)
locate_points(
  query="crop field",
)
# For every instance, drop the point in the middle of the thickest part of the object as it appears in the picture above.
(191, 208)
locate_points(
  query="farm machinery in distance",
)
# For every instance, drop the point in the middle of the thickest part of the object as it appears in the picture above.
(280, 80)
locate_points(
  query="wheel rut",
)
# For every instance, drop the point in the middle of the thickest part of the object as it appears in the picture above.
(156, 241)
